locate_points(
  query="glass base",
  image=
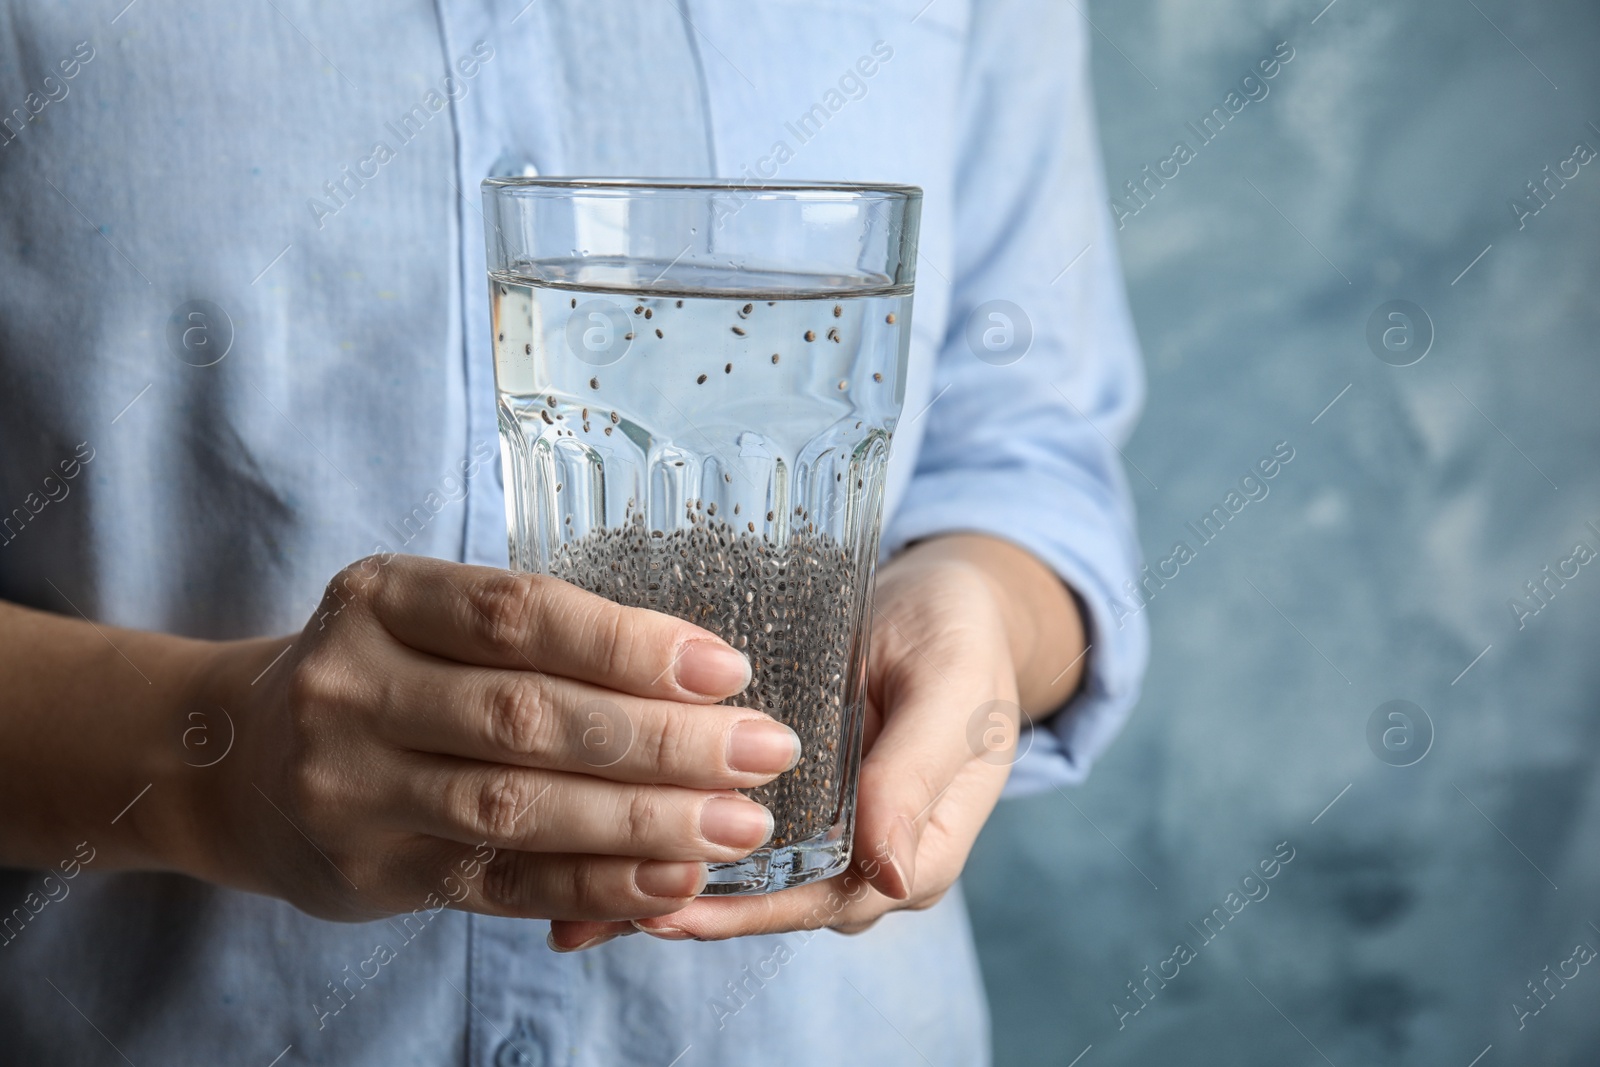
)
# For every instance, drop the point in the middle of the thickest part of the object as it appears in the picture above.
(768, 870)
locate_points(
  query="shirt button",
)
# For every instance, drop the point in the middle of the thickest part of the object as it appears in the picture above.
(511, 165)
(521, 1049)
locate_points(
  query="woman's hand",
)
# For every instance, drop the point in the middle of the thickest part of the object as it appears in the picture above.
(447, 734)
(969, 635)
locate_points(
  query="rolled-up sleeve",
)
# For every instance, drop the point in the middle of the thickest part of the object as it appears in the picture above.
(1029, 450)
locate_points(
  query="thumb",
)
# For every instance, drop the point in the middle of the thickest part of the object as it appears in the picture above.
(891, 866)
(914, 762)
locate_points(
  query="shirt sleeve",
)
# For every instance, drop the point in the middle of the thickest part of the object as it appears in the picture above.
(1028, 449)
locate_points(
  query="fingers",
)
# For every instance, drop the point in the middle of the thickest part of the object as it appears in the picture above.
(847, 900)
(542, 811)
(920, 752)
(570, 935)
(496, 618)
(605, 891)
(521, 884)
(539, 720)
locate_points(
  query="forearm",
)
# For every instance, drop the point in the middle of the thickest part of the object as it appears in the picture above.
(1044, 627)
(91, 716)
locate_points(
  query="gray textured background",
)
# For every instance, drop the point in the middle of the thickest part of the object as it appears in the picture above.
(1418, 905)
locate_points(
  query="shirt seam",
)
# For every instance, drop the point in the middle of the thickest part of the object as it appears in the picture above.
(460, 236)
(692, 33)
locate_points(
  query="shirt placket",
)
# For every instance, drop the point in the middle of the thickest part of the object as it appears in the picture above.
(520, 999)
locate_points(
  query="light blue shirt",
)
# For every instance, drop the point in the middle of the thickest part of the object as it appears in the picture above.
(311, 170)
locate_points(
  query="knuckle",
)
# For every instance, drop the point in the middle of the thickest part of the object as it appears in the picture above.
(507, 606)
(503, 886)
(927, 783)
(309, 684)
(355, 584)
(316, 686)
(516, 717)
(305, 788)
(665, 743)
(924, 903)
(492, 806)
(612, 640)
(584, 884)
(312, 789)
(641, 819)
(314, 664)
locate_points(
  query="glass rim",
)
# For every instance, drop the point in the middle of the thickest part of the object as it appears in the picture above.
(795, 190)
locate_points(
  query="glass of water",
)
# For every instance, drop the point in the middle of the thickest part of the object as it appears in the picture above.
(698, 387)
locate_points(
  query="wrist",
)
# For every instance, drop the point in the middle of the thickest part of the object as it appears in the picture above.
(156, 827)
(92, 743)
(210, 722)
(975, 557)
(1044, 626)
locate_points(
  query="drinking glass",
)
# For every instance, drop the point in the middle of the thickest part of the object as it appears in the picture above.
(698, 384)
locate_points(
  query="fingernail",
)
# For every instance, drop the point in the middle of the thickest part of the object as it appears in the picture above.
(735, 823)
(599, 939)
(903, 855)
(669, 878)
(712, 669)
(665, 933)
(762, 746)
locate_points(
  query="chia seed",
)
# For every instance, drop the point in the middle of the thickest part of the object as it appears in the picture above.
(793, 609)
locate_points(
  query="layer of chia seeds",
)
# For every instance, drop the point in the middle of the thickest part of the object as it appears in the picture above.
(790, 609)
